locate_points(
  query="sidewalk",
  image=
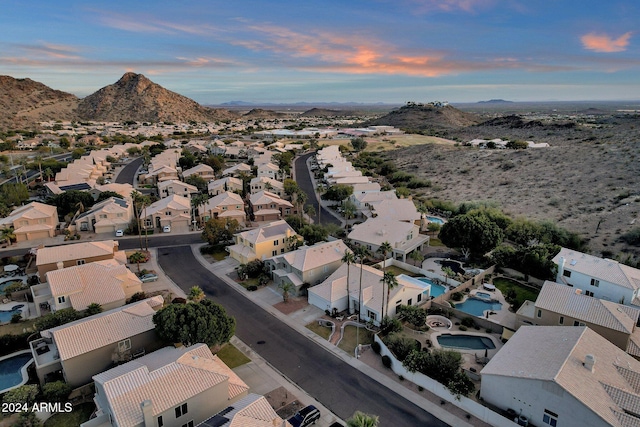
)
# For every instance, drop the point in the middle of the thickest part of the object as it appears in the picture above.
(265, 299)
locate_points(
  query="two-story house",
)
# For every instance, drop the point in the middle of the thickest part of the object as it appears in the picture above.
(173, 212)
(597, 277)
(404, 237)
(33, 221)
(91, 345)
(269, 170)
(202, 170)
(222, 185)
(266, 184)
(173, 186)
(307, 264)
(263, 242)
(225, 205)
(106, 217)
(172, 387)
(267, 206)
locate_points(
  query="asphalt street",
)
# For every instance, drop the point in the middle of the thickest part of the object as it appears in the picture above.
(128, 173)
(304, 182)
(337, 385)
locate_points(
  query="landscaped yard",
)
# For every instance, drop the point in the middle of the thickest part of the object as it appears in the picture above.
(522, 293)
(348, 341)
(17, 328)
(397, 271)
(231, 356)
(79, 415)
(434, 241)
(322, 331)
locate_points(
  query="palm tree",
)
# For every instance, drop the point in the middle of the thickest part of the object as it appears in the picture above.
(301, 198)
(390, 282)
(348, 258)
(8, 235)
(384, 249)
(416, 256)
(268, 186)
(310, 211)
(360, 419)
(198, 200)
(286, 288)
(448, 273)
(135, 197)
(48, 174)
(137, 257)
(349, 210)
(361, 253)
(196, 294)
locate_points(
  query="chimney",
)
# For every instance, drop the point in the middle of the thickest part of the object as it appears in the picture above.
(59, 265)
(589, 362)
(561, 262)
(578, 291)
(147, 413)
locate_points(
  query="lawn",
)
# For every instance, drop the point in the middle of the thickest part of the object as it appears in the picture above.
(231, 356)
(79, 415)
(250, 282)
(397, 271)
(434, 241)
(322, 331)
(348, 341)
(18, 328)
(522, 293)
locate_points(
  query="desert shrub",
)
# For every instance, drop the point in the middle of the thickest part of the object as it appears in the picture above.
(389, 325)
(179, 300)
(16, 318)
(457, 296)
(386, 361)
(254, 268)
(375, 346)
(468, 322)
(401, 347)
(632, 237)
(57, 391)
(252, 288)
(138, 296)
(463, 328)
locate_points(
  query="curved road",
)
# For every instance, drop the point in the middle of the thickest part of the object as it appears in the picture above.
(337, 385)
(128, 174)
(304, 182)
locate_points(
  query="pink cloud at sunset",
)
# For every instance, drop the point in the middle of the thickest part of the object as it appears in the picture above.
(604, 43)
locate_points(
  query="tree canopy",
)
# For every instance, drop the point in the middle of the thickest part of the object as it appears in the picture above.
(474, 232)
(68, 202)
(14, 194)
(219, 230)
(338, 192)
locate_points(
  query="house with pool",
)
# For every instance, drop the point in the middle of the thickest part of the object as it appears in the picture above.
(86, 347)
(563, 376)
(341, 291)
(598, 277)
(564, 306)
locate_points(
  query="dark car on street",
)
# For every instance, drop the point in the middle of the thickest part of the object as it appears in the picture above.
(305, 417)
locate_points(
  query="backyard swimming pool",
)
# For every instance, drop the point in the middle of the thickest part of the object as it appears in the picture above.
(6, 283)
(435, 219)
(483, 295)
(476, 307)
(436, 290)
(11, 374)
(6, 315)
(468, 342)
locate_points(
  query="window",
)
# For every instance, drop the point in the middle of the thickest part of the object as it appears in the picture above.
(595, 282)
(539, 313)
(410, 301)
(274, 253)
(275, 243)
(576, 323)
(168, 213)
(189, 424)
(124, 345)
(371, 315)
(561, 321)
(61, 299)
(282, 250)
(419, 298)
(588, 293)
(550, 418)
(80, 262)
(160, 420)
(181, 410)
(566, 273)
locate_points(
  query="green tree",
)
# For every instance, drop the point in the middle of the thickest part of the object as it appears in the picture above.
(77, 153)
(198, 182)
(413, 314)
(219, 230)
(313, 233)
(203, 322)
(57, 318)
(389, 282)
(384, 249)
(349, 211)
(338, 192)
(28, 419)
(24, 394)
(348, 258)
(448, 273)
(138, 257)
(286, 287)
(93, 309)
(196, 294)
(57, 391)
(14, 194)
(290, 187)
(69, 201)
(300, 200)
(107, 194)
(360, 419)
(474, 232)
(358, 144)
(8, 235)
(361, 254)
(416, 256)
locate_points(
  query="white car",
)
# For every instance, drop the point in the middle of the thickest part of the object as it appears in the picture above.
(166, 229)
(119, 233)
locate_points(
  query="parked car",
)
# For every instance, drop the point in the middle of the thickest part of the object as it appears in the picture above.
(119, 233)
(149, 277)
(166, 229)
(305, 417)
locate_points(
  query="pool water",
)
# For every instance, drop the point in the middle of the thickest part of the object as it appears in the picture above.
(7, 283)
(436, 290)
(435, 219)
(11, 370)
(471, 342)
(476, 307)
(6, 315)
(484, 295)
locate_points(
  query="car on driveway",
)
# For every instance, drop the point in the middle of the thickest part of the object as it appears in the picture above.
(149, 277)
(305, 417)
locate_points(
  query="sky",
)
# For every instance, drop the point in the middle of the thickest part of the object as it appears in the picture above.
(368, 51)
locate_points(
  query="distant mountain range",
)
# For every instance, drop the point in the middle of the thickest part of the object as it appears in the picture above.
(495, 101)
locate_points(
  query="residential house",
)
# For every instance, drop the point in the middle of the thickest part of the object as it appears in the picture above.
(308, 264)
(597, 277)
(124, 190)
(564, 306)
(237, 170)
(91, 345)
(225, 206)
(396, 209)
(202, 170)
(364, 202)
(267, 184)
(228, 183)
(33, 221)
(107, 283)
(173, 186)
(173, 211)
(252, 410)
(54, 188)
(106, 217)
(269, 170)
(267, 206)
(563, 376)
(57, 257)
(266, 241)
(162, 173)
(336, 293)
(171, 387)
(369, 187)
(404, 237)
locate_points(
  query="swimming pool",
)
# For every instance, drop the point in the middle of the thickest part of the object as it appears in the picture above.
(436, 290)
(11, 370)
(7, 283)
(476, 307)
(435, 219)
(6, 315)
(469, 342)
(483, 295)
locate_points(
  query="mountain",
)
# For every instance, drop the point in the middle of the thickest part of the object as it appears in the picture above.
(259, 113)
(135, 97)
(417, 117)
(495, 101)
(24, 103)
(324, 112)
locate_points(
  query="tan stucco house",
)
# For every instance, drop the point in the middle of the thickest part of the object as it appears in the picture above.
(269, 240)
(32, 221)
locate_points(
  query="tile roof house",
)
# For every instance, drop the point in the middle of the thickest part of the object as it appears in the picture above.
(225, 205)
(174, 211)
(565, 376)
(91, 345)
(269, 170)
(364, 201)
(124, 190)
(266, 241)
(397, 209)
(106, 217)
(63, 256)
(404, 237)
(225, 184)
(267, 206)
(171, 387)
(561, 305)
(173, 186)
(266, 184)
(252, 410)
(236, 170)
(332, 293)
(597, 277)
(32, 221)
(202, 170)
(307, 264)
(107, 283)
